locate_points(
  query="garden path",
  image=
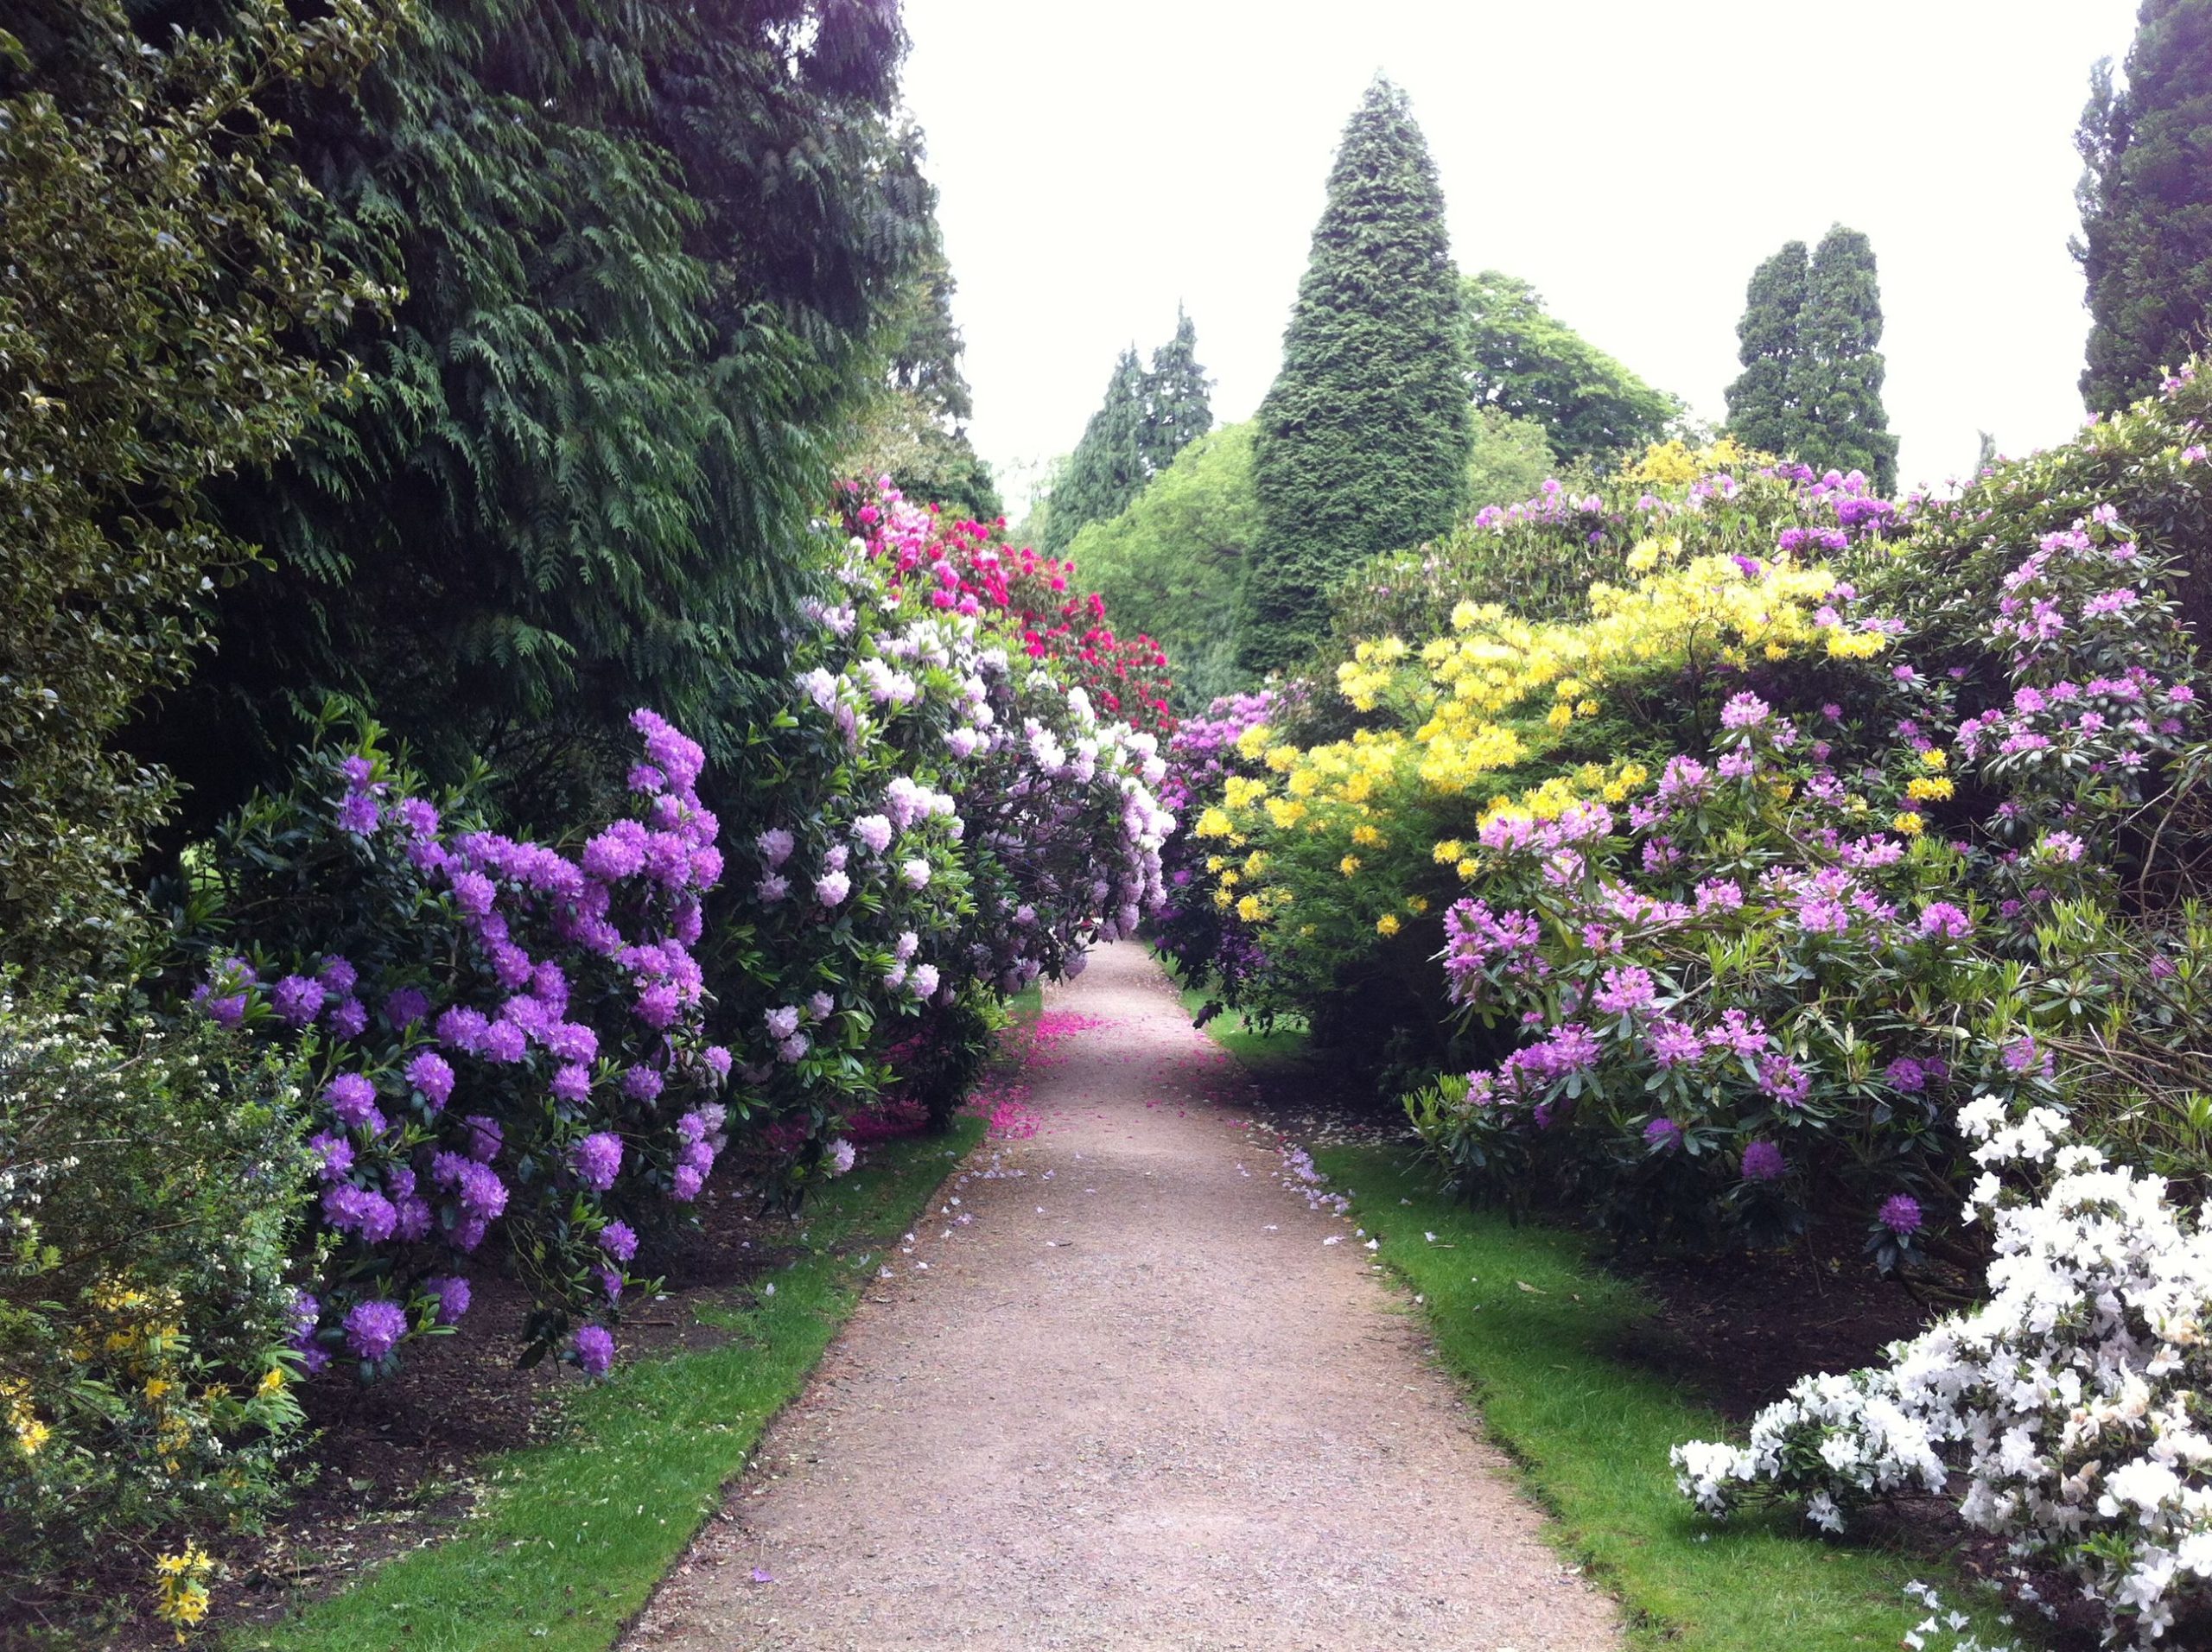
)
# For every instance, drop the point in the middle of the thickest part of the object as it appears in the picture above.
(1125, 1391)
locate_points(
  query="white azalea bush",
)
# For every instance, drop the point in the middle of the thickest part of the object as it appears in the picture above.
(2073, 1404)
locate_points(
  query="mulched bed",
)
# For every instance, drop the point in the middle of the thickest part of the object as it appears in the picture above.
(393, 1465)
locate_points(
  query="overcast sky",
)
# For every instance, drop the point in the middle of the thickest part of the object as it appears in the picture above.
(1100, 162)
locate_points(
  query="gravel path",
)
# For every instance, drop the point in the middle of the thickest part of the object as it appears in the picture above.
(1119, 1392)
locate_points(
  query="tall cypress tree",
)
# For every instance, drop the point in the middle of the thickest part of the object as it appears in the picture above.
(1839, 393)
(1812, 381)
(2145, 196)
(1178, 409)
(1107, 469)
(1363, 438)
(1762, 410)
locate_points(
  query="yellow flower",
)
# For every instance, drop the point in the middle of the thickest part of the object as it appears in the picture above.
(1215, 863)
(1448, 851)
(1923, 787)
(1365, 836)
(1349, 865)
(1909, 824)
(1286, 812)
(1466, 869)
(1643, 558)
(1386, 925)
(1776, 651)
(1585, 708)
(1248, 909)
(1252, 741)
(1418, 903)
(1224, 900)
(1214, 824)
(1936, 758)
(272, 1380)
(1281, 758)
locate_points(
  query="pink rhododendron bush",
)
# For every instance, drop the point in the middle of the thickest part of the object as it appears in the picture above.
(1823, 862)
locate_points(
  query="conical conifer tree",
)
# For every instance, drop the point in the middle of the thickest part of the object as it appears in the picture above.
(2145, 197)
(1762, 412)
(1839, 393)
(1178, 407)
(1362, 440)
(1107, 469)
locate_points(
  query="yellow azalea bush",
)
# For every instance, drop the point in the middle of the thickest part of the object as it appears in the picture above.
(1334, 852)
(149, 1188)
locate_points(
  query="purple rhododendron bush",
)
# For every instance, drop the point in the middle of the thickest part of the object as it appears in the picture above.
(1824, 867)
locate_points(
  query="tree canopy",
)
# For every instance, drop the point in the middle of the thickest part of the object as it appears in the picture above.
(1362, 439)
(1169, 565)
(646, 251)
(1524, 362)
(2145, 196)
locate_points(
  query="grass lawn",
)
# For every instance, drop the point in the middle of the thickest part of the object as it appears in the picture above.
(1235, 1034)
(1529, 1321)
(569, 1539)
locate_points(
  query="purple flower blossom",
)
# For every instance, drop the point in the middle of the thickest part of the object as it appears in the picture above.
(1906, 1075)
(831, 888)
(1625, 990)
(352, 1101)
(1942, 921)
(430, 1073)
(1744, 711)
(874, 830)
(359, 814)
(1901, 1214)
(572, 1083)
(373, 1329)
(298, 999)
(484, 1138)
(597, 1159)
(594, 1347)
(1763, 1162)
(404, 1006)
(348, 1018)
(1663, 1134)
(338, 976)
(336, 1153)
(452, 1295)
(642, 1083)
(619, 1240)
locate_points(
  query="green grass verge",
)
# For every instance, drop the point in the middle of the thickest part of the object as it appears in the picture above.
(1526, 1317)
(571, 1538)
(1237, 1035)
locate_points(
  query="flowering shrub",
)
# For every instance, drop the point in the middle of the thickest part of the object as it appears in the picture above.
(149, 1184)
(961, 565)
(1740, 880)
(944, 817)
(2072, 1400)
(503, 1038)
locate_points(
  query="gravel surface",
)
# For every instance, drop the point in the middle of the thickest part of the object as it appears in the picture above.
(1122, 1391)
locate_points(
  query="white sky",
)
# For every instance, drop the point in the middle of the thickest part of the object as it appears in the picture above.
(1098, 162)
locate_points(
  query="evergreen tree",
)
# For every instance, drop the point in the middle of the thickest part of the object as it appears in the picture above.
(1526, 364)
(1177, 408)
(1763, 412)
(1363, 438)
(2145, 196)
(1811, 386)
(1839, 389)
(1107, 469)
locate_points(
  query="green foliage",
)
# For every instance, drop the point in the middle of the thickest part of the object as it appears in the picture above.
(1510, 459)
(158, 292)
(646, 249)
(1107, 469)
(1809, 340)
(2145, 196)
(1839, 392)
(1363, 438)
(1178, 402)
(1763, 409)
(1524, 362)
(152, 1182)
(1168, 566)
